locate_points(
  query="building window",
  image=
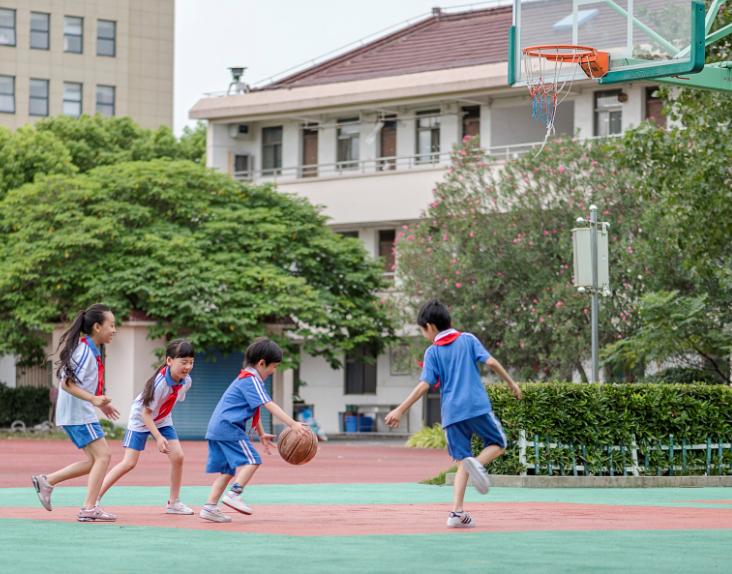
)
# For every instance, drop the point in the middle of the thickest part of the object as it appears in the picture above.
(348, 143)
(73, 34)
(242, 166)
(7, 27)
(38, 98)
(106, 38)
(428, 136)
(40, 31)
(608, 113)
(388, 144)
(72, 99)
(654, 107)
(272, 151)
(360, 371)
(309, 151)
(7, 94)
(386, 250)
(353, 234)
(105, 100)
(471, 121)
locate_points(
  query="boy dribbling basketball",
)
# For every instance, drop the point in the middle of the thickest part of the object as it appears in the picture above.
(465, 407)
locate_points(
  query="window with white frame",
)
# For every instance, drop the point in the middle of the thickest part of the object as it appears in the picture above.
(105, 100)
(38, 104)
(7, 94)
(106, 38)
(7, 27)
(428, 136)
(40, 31)
(72, 99)
(73, 34)
(348, 143)
(272, 150)
(608, 113)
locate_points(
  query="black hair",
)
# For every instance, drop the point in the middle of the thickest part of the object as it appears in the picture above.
(177, 349)
(83, 323)
(436, 313)
(262, 349)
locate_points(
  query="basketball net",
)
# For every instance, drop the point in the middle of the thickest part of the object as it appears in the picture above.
(550, 71)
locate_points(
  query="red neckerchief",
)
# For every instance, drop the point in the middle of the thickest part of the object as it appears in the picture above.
(100, 368)
(446, 340)
(243, 374)
(169, 402)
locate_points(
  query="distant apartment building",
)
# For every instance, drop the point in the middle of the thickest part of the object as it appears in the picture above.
(73, 57)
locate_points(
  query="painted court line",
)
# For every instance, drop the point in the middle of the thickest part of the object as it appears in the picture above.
(350, 520)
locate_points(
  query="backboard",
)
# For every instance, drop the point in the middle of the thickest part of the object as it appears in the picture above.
(644, 38)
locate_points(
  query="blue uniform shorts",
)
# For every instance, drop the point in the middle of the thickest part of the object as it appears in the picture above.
(459, 434)
(82, 435)
(136, 440)
(225, 456)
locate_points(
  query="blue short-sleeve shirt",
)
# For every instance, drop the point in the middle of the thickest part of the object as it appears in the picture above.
(236, 406)
(455, 366)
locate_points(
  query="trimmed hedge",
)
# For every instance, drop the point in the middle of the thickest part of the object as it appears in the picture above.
(585, 419)
(27, 404)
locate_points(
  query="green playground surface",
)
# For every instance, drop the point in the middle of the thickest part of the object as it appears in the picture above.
(44, 545)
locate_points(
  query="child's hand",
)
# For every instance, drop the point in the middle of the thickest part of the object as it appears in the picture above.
(266, 440)
(110, 412)
(515, 390)
(101, 400)
(393, 418)
(163, 445)
(301, 428)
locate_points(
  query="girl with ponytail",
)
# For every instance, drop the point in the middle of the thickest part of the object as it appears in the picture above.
(81, 388)
(151, 415)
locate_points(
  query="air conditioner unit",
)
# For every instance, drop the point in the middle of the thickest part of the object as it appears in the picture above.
(241, 131)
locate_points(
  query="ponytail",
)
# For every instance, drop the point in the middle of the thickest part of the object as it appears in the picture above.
(177, 349)
(83, 324)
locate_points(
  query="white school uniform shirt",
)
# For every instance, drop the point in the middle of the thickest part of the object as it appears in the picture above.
(164, 388)
(69, 409)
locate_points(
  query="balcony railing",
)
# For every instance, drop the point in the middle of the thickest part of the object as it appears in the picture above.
(383, 165)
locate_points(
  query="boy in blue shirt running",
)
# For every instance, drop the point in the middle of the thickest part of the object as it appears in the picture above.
(230, 452)
(452, 362)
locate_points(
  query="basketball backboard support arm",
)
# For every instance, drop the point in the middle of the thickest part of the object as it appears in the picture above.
(684, 67)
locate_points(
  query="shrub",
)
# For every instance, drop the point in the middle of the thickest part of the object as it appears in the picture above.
(27, 404)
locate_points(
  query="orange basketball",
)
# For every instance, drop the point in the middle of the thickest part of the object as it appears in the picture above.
(295, 448)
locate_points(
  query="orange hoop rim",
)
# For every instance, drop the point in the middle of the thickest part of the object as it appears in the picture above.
(551, 52)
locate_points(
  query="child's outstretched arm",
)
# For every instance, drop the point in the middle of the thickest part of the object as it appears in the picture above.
(276, 411)
(394, 417)
(498, 369)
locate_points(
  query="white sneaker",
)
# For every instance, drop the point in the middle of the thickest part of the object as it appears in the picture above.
(43, 489)
(213, 514)
(478, 474)
(177, 508)
(460, 520)
(235, 501)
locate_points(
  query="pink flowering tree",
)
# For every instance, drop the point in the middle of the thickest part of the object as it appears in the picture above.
(495, 245)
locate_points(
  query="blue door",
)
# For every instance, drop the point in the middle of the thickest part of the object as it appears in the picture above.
(212, 374)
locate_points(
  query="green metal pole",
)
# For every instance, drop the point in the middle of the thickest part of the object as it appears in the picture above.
(709, 457)
(670, 455)
(537, 464)
(683, 457)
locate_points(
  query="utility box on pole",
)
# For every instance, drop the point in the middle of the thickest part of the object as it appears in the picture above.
(582, 248)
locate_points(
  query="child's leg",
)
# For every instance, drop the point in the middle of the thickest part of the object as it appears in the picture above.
(100, 455)
(488, 454)
(120, 469)
(176, 468)
(244, 474)
(218, 488)
(74, 470)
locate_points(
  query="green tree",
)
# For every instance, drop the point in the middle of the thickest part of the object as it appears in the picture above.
(495, 246)
(200, 254)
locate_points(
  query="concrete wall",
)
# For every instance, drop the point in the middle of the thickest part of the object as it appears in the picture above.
(7, 370)
(141, 71)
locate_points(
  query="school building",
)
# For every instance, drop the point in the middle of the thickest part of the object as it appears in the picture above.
(73, 57)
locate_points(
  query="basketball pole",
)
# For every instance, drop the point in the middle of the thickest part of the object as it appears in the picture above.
(595, 294)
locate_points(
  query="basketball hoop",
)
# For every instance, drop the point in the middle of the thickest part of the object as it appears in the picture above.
(548, 85)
